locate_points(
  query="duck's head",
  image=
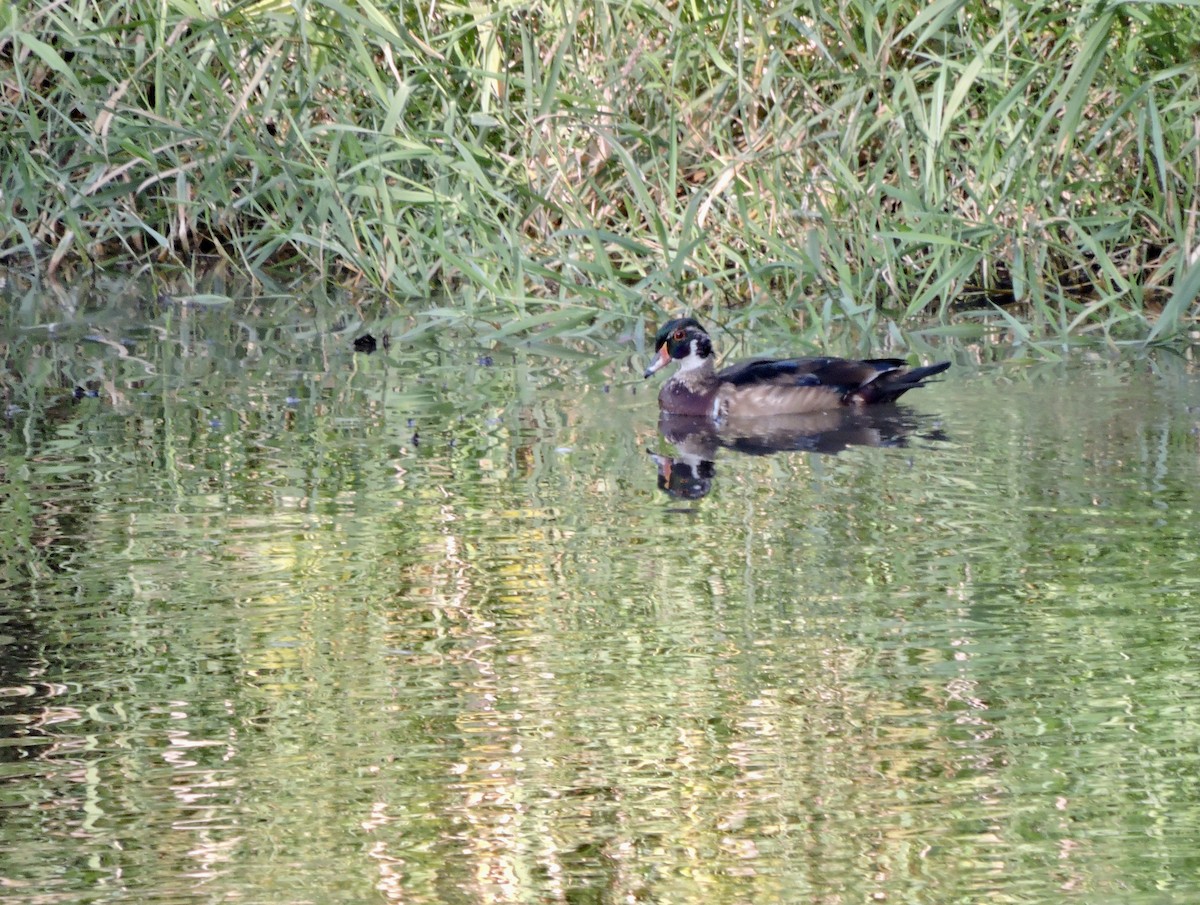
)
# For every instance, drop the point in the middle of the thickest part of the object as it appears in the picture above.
(682, 340)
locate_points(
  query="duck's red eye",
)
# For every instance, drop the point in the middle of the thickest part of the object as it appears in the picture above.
(678, 334)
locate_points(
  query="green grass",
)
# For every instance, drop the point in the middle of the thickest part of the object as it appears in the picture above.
(1025, 167)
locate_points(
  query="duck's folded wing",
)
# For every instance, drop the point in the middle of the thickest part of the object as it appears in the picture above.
(800, 372)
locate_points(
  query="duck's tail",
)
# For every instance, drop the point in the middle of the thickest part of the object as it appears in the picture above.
(891, 385)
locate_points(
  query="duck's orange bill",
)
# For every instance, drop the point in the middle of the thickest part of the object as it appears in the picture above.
(662, 359)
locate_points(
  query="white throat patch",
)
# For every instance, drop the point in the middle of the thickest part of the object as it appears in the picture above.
(692, 361)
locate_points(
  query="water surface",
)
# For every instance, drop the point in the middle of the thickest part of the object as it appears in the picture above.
(283, 623)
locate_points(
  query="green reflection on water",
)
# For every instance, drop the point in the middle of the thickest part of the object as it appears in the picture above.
(290, 624)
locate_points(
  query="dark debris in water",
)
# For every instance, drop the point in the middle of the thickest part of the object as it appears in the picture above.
(367, 343)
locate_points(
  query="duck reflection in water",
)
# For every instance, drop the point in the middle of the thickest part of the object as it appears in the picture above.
(689, 472)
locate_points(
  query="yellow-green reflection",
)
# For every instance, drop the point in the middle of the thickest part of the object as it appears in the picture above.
(415, 629)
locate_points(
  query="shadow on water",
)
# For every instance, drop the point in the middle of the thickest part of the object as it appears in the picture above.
(689, 472)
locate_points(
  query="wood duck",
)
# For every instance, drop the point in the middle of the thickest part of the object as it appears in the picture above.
(764, 386)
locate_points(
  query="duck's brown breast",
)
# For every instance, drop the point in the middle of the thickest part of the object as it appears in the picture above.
(676, 398)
